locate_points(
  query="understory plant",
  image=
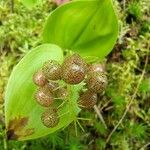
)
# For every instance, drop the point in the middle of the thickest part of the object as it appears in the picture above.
(83, 27)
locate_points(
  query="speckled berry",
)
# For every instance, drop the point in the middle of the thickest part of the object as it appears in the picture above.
(96, 68)
(87, 100)
(52, 70)
(96, 82)
(39, 79)
(44, 98)
(73, 69)
(74, 74)
(75, 59)
(50, 118)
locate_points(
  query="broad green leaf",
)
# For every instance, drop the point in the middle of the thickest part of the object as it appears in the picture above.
(89, 27)
(30, 3)
(23, 114)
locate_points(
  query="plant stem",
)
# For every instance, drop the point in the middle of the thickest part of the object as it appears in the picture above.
(124, 4)
(11, 6)
(85, 119)
(80, 125)
(5, 143)
(75, 125)
(146, 145)
(100, 116)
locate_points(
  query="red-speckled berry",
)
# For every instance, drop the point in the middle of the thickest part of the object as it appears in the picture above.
(39, 79)
(50, 118)
(73, 69)
(52, 70)
(96, 82)
(44, 98)
(87, 100)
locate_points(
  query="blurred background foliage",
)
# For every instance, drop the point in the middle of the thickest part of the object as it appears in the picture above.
(128, 68)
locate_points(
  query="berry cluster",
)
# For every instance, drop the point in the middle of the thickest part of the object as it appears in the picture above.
(74, 70)
(96, 82)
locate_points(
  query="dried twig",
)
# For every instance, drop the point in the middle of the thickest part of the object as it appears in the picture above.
(130, 102)
(124, 4)
(146, 145)
(11, 6)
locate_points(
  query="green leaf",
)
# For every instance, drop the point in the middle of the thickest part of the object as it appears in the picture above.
(30, 3)
(22, 113)
(89, 27)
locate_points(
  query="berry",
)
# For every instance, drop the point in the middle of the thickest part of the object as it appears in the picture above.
(73, 69)
(50, 118)
(74, 59)
(96, 68)
(44, 98)
(74, 74)
(88, 99)
(52, 70)
(96, 82)
(39, 79)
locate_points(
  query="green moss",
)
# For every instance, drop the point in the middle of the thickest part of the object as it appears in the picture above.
(134, 10)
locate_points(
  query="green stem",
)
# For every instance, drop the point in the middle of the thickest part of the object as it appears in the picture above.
(11, 6)
(5, 143)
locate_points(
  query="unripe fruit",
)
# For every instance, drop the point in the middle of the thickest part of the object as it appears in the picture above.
(73, 69)
(88, 99)
(74, 74)
(39, 79)
(96, 68)
(52, 70)
(75, 59)
(50, 118)
(44, 98)
(96, 82)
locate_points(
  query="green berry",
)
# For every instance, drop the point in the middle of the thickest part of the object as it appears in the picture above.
(88, 99)
(50, 118)
(73, 69)
(96, 82)
(52, 70)
(44, 98)
(39, 79)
